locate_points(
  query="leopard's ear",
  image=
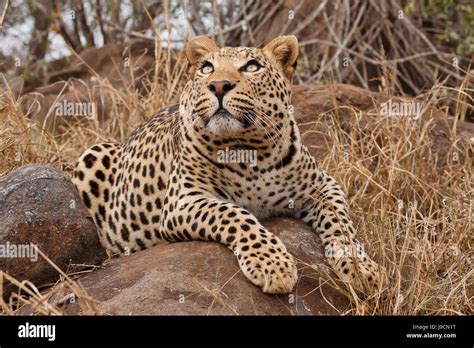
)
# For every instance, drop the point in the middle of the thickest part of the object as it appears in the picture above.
(198, 47)
(284, 50)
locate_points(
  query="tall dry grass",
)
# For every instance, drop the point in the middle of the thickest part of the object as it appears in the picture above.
(23, 141)
(415, 211)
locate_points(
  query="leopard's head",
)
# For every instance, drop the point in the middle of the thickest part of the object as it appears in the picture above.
(238, 92)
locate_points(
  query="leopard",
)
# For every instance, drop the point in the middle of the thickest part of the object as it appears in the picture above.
(213, 166)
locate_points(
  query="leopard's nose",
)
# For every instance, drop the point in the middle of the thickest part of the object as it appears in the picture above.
(220, 88)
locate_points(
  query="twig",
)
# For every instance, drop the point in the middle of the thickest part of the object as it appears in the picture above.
(2, 17)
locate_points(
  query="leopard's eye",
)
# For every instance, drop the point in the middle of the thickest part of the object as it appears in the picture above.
(207, 68)
(251, 66)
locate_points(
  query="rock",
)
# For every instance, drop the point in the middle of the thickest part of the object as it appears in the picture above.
(40, 205)
(200, 278)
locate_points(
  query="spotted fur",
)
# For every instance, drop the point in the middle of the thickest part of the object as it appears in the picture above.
(166, 182)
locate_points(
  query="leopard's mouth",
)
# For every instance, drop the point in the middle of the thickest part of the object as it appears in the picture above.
(223, 122)
(222, 114)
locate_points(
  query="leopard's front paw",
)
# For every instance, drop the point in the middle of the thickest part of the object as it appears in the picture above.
(275, 272)
(363, 273)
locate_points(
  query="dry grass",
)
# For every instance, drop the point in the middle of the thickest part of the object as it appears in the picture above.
(415, 208)
(24, 141)
(49, 302)
(415, 211)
